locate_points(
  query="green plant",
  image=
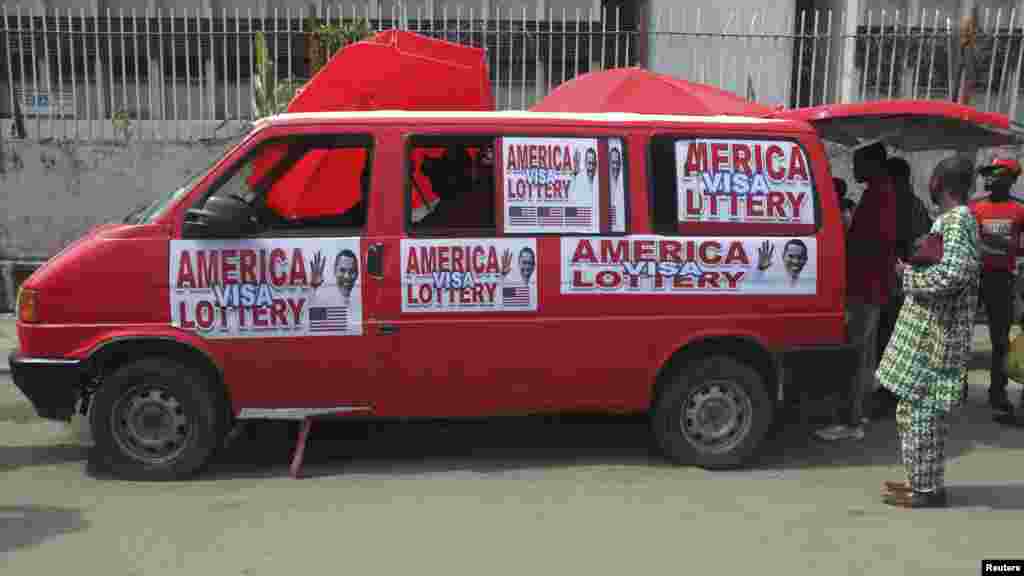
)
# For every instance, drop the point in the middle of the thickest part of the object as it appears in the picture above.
(122, 122)
(328, 38)
(270, 96)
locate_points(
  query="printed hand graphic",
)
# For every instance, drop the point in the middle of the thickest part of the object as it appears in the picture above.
(506, 262)
(764, 255)
(317, 266)
(576, 163)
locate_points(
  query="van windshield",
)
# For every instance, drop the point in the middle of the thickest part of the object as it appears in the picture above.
(157, 208)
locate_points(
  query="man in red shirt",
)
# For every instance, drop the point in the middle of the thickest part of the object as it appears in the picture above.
(871, 256)
(1000, 222)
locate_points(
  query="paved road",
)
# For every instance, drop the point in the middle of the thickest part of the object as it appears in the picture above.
(509, 496)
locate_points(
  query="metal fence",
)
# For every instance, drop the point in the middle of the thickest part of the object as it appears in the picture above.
(187, 74)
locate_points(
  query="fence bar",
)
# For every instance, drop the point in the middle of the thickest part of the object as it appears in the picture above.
(1015, 94)
(85, 72)
(288, 16)
(74, 69)
(7, 52)
(60, 73)
(878, 66)
(238, 68)
(35, 69)
(629, 37)
(200, 77)
(892, 59)
(867, 61)
(252, 70)
(1006, 57)
(760, 59)
(604, 38)
(522, 87)
(164, 128)
(224, 62)
(800, 54)
(618, 31)
(149, 80)
(590, 39)
(49, 72)
(124, 64)
(828, 58)
(920, 52)
(511, 47)
(135, 68)
(789, 77)
(188, 78)
(992, 59)
(931, 63)
(576, 50)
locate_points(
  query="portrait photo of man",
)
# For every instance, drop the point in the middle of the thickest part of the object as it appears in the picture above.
(584, 184)
(527, 264)
(794, 258)
(346, 272)
(617, 198)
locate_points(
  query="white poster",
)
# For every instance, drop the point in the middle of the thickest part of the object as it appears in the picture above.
(261, 288)
(663, 265)
(551, 185)
(616, 187)
(744, 181)
(469, 275)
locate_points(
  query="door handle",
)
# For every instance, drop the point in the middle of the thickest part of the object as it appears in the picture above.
(387, 329)
(375, 260)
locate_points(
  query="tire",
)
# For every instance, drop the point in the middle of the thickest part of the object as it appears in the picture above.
(727, 392)
(155, 418)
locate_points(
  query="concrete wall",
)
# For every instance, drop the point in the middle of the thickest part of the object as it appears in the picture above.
(52, 193)
(725, 62)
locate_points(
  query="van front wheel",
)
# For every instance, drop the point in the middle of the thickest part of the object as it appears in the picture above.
(154, 419)
(714, 413)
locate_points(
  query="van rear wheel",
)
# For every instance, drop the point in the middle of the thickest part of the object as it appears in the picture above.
(155, 419)
(714, 413)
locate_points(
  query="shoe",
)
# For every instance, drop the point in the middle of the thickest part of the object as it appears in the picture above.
(1000, 403)
(890, 487)
(840, 432)
(917, 499)
(1015, 420)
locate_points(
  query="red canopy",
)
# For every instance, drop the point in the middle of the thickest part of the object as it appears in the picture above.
(642, 91)
(392, 70)
(910, 125)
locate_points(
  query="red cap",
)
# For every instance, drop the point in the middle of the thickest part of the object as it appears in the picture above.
(999, 164)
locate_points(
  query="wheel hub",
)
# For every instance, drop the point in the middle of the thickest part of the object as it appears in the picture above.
(716, 416)
(150, 425)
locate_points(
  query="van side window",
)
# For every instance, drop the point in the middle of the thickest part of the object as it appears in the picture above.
(305, 182)
(563, 185)
(451, 186)
(732, 186)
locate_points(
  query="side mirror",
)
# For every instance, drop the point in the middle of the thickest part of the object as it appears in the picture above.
(221, 217)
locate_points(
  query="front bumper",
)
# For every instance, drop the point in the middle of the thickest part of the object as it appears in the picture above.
(52, 385)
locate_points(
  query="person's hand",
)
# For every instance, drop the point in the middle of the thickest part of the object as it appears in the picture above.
(901, 267)
(764, 255)
(506, 262)
(317, 266)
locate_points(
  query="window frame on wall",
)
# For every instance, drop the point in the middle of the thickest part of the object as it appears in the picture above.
(724, 229)
(317, 141)
(602, 203)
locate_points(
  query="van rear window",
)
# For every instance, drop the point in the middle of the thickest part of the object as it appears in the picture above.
(729, 186)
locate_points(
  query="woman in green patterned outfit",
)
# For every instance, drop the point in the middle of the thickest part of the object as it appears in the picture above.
(925, 363)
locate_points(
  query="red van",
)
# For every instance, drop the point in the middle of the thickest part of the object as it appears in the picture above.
(445, 264)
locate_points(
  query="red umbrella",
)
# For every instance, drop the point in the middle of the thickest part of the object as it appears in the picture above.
(392, 70)
(642, 91)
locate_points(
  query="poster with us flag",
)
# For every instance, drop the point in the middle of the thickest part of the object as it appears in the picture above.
(551, 185)
(469, 275)
(267, 287)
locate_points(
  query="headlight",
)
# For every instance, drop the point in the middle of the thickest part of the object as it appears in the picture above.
(28, 305)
